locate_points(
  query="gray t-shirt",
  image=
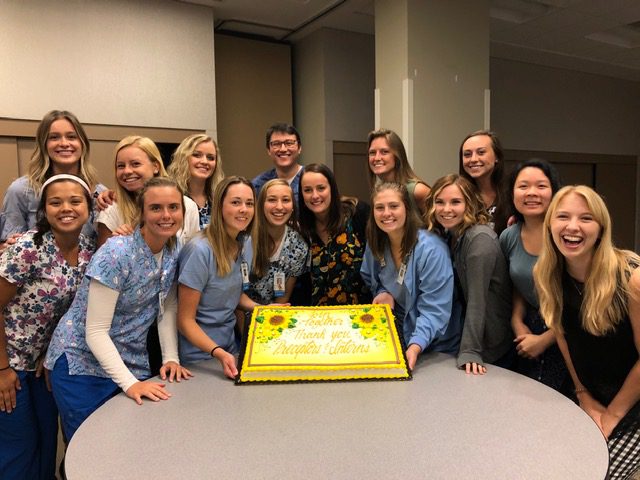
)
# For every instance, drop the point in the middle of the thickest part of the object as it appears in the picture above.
(520, 263)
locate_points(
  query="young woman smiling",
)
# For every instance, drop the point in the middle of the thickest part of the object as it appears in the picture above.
(197, 167)
(456, 212)
(482, 163)
(280, 251)
(99, 346)
(409, 269)
(388, 163)
(335, 230)
(137, 160)
(62, 146)
(39, 275)
(214, 270)
(532, 184)
(590, 298)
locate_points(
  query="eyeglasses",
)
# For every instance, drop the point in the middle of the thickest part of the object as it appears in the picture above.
(287, 143)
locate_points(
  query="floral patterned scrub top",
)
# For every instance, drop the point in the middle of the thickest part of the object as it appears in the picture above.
(46, 286)
(291, 260)
(204, 214)
(335, 266)
(125, 264)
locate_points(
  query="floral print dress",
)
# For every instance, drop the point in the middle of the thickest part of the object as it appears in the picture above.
(291, 260)
(335, 268)
(46, 286)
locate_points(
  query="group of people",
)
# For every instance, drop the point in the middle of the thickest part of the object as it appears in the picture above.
(102, 290)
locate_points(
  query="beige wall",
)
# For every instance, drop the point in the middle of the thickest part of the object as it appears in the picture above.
(432, 70)
(143, 62)
(334, 80)
(542, 108)
(550, 109)
(392, 61)
(309, 94)
(17, 142)
(253, 81)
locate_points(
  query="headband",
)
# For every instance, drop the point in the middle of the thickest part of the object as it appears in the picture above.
(65, 176)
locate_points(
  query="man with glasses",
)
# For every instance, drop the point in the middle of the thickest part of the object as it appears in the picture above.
(284, 147)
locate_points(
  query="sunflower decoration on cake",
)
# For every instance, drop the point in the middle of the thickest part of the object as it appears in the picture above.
(271, 325)
(371, 323)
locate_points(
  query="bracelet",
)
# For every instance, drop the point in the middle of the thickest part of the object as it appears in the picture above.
(5, 368)
(214, 349)
(580, 390)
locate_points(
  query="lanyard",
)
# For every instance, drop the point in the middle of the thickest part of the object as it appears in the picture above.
(402, 271)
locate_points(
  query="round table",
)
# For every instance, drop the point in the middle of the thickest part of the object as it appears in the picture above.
(442, 424)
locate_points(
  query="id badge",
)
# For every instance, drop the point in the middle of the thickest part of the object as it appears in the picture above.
(244, 268)
(401, 273)
(161, 299)
(278, 284)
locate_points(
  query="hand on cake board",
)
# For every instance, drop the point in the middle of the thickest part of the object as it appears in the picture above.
(384, 298)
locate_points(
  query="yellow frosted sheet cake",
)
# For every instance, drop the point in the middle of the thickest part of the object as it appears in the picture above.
(322, 343)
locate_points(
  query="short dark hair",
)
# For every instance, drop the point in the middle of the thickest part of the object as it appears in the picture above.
(282, 128)
(549, 171)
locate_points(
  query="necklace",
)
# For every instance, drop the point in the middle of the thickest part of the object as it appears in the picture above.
(575, 285)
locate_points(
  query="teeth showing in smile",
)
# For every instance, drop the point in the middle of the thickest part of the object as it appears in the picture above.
(572, 239)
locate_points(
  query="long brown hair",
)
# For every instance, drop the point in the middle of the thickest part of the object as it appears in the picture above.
(503, 209)
(264, 244)
(40, 167)
(340, 209)
(216, 233)
(402, 171)
(377, 240)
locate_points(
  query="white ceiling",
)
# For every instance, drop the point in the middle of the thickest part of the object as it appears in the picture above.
(596, 36)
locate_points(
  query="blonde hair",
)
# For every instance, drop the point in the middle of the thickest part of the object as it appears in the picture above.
(216, 233)
(474, 209)
(606, 290)
(126, 203)
(40, 168)
(263, 242)
(179, 167)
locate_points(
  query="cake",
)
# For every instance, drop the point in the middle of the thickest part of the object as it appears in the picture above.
(322, 343)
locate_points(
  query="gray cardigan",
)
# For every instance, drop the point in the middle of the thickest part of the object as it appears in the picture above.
(486, 288)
